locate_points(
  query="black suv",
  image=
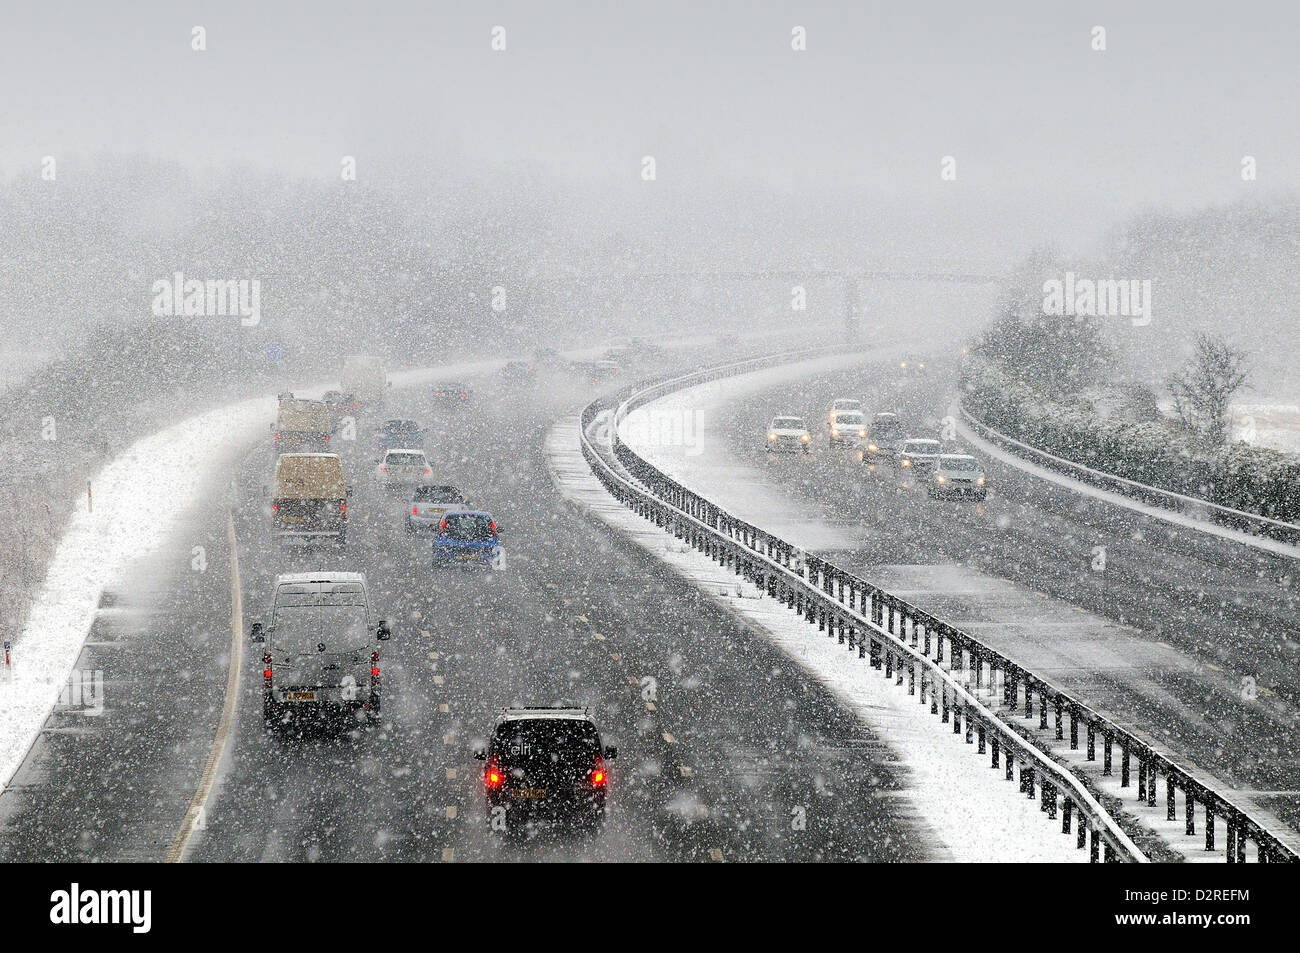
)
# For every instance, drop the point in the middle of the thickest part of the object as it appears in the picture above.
(399, 434)
(545, 762)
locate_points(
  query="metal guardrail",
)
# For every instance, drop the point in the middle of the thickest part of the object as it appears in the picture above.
(907, 641)
(1263, 525)
(858, 613)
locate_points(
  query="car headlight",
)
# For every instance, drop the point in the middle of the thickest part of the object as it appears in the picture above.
(940, 478)
(834, 432)
(907, 463)
(980, 481)
(862, 433)
(771, 436)
(872, 447)
(805, 438)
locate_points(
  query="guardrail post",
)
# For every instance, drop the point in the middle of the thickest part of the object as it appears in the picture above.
(1209, 826)
(1106, 747)
(1093, 847)
(970, 729)
(1142, 779)
(1042, 710)
(1082, 839)
(1151, 783)
(1027, 780)
(1191, 812)
(875, 654)
(1171, 810)
(911, 680)
(980, 749)
(956, 715)
(1029, 698)
(926, 650)
(944, 690)
(889, 664)
(1074, 728)
(853, 637)
(1230, 841)
(995, 745)
(916, 625)
(1241, 845)
(1060, 730)
(898, 670)
(1067, 809)
(1092, 741)
(979, 671)
(1011, 774)
(938, 646)
(1123, 766)
(839, 630)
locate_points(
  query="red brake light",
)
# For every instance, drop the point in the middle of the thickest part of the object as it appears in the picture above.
(493, 775)
(343, 507)
(266, 660)
(415, 511)
(275, 507)
(494, 527)
(598, 772)
(442, 527)
(463, 394)
(427, 470)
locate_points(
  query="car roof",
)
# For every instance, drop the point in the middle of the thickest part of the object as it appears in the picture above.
(472, 513)
(528, 713)
(788, 417)
(401, 420)
(957, 456)
(926, 440)
(392, 450)
(317, 455)
(329, 576)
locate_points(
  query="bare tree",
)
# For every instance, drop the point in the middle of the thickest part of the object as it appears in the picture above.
(1203, 390)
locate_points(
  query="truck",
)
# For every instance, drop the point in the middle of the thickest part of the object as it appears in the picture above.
(309, 503)
(366, 379)
(302, 426)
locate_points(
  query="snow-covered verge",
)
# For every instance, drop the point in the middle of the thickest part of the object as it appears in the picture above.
(974, 815)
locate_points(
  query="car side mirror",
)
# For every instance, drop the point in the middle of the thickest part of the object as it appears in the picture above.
(255, 633)
(348, 491)
(383, 633)
(611, 752)
(480, 753)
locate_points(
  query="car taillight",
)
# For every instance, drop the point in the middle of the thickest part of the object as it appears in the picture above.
(266, 672)
(343, 507)
(275, 507)
(598, 772)
(374, 665)
(427, 470)
(463, 394)
(415, 511)
(493, 775)
(383, 469)
(442, 527)
(493, 527)
(327, 438)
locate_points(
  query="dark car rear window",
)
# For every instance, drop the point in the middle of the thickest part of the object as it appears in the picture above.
(438, 494)
(468, 528)
(546, 741)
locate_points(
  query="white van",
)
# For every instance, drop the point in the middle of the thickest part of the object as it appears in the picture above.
(321, 647)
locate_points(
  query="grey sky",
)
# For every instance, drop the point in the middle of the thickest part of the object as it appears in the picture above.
(1059, 139)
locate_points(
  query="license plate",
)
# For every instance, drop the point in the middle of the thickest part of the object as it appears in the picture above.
(467, 555)
(300, 696)
(294, 519)
(531, 794)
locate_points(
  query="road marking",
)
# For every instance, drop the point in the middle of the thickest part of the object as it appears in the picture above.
(451, 812)
(451, 774)
(444, 708)
(425, 634)
(686, 772)
(449, 739)
(449, 854)
(583, 618)
(615, 656)
(217, 753)
(596, 636)
(438, 679)
(715, 855)
(649, 706)
(669, 738)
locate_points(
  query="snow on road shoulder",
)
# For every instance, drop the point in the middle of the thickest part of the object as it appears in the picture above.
(972, 813)
(137, 498)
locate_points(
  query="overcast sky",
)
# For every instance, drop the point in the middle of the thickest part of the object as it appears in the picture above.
(1056, 136)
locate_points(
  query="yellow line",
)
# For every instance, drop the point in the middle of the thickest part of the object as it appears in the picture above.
(198, 804)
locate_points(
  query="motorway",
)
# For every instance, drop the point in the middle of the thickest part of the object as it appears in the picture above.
(1190, 639)
(736, 740)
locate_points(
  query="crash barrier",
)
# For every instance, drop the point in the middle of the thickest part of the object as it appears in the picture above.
(1178, 502)
(914, 647)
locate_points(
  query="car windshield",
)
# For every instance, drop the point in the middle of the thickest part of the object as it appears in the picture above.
(439, 494)
(849, 420)
(405, 459)
(543, 742)
(401, 426)
(468, 527)
(886, 428)
(960, 463)
(788, 423)
(922, 446)
(847, 404)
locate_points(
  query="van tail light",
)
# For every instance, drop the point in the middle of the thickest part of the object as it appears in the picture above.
(327, 438)
(266, 671)
(598, 775)
(383, 469)
(415, 511)
(343, 506)
(442, 527)
(275, 507)
(427, 470)
(493, 776)
(374, 667)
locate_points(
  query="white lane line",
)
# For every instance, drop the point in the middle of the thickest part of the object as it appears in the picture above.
(195, 817)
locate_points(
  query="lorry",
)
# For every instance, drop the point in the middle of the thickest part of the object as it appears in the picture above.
(302, 426)
(309, 503)
(366, 379)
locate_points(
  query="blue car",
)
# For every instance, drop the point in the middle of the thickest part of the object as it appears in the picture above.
(466, 538)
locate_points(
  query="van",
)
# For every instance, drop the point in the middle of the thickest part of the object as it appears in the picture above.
(310, 500)
(303, 426)
(365, 378)
(321, 650)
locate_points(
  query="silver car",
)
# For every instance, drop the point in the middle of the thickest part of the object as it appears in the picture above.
(848, 428)
(788, 435)
(430, 504)
(919, 455)
(403, 467)
(958, 475)
(321, 650)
